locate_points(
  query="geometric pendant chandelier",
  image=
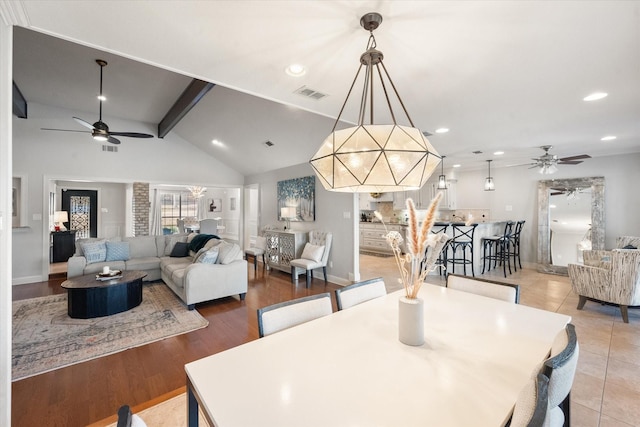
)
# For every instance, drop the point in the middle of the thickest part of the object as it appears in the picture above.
(369, 157)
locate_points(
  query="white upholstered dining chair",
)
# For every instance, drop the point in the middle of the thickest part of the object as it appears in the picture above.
(560, 368)
(314, 255)
(276, 317)
(360, 292)
(531, 407)
(488, 288)
(255, 251)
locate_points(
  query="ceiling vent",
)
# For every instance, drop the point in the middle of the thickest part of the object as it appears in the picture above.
(427, 134)
(269, 144)
(110, 148)
(477, 152)
(310, 93)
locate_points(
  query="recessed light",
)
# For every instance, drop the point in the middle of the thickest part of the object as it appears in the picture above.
(442, 130)
(595, 96)
(608, 138)
(102, 97)
(296, 70)
(217, 143)
(498, 153)
(552, 206)
(456, 166)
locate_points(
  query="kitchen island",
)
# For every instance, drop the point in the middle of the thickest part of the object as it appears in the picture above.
(372, 239)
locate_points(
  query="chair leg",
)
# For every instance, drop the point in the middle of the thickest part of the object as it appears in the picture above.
(293, 274)
(309, 277)
(255, 264)
(581, 302)
(625, 313)
(566, 409)
(324, 270)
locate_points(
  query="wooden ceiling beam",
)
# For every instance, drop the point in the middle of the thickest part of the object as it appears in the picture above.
(19, 103)
(189, 98)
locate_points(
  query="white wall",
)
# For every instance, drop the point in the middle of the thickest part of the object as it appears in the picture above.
(45, 155)
(330, 216)
(517, 187)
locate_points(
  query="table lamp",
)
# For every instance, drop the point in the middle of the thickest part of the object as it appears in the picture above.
(59, 218)
(287, 213)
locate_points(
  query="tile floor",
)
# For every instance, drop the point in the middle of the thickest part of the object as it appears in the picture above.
(606, 389)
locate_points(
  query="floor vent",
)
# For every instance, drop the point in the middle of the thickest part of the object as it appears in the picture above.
(310, 93)
(110, 148)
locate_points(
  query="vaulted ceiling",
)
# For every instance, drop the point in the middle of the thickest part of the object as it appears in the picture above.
(502, 76)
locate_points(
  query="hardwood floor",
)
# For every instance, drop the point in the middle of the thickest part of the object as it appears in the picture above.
(87, 392)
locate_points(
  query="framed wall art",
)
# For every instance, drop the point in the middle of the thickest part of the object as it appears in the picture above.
(296, 199)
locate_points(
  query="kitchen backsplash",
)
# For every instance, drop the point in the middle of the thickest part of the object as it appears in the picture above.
(390, 215)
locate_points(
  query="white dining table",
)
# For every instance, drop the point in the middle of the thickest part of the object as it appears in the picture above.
(350, 369)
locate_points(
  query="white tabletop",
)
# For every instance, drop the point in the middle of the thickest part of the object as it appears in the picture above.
(349, 369)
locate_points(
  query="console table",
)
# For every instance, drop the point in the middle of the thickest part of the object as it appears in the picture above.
(63, 245)
(283, 246)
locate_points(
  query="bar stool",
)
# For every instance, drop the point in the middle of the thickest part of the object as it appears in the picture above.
(515, 244)
(461, 241)
(497, 248)
(437, 227)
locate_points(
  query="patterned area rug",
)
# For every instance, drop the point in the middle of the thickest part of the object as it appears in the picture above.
(45, 338)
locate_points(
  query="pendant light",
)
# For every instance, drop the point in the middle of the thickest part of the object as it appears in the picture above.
(374, 158)
(442, 179)
(488, 183)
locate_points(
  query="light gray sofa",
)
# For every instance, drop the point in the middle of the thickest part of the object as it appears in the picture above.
(193, 282)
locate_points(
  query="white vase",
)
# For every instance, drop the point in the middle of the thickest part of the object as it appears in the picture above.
(411, 321)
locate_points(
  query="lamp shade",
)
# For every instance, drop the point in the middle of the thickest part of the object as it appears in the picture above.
(288, 212)
(375, 159)
(60, 216)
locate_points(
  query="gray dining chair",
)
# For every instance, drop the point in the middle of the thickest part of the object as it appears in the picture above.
(360, 292)
(561, 370)
(531, 407)
(284, 315)
(488, 288)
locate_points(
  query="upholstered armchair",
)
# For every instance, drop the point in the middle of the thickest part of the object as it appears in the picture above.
(614, 278)
(314, 255)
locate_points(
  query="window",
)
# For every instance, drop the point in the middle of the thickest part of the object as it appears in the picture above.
(175, 206)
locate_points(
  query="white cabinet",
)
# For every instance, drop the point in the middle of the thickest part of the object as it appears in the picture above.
(372, 236)
(399, 200)
(365, 205)
(449, 195)
(283, 246)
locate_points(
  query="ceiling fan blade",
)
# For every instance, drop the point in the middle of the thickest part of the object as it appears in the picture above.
(113, 140)
(83, 123)
(581, 156)
(132, 134)
(570, 162)
(65, 130)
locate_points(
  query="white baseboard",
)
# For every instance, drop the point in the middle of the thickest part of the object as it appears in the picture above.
(27, 279)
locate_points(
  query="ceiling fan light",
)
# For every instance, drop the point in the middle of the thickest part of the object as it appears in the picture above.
(100, 137)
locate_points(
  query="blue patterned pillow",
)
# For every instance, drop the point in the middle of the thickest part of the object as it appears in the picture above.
(95, 251)
(210, 257)
(117, 251)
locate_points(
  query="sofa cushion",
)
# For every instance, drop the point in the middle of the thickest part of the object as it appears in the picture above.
(143, 263)
(95, 251)
(171, 240)
(178, 277)
(179, 264)
(229, 252)
(190, 237)
(312, 252)
(180, 250)
(210, 256)
(117, 251)
(142, 246)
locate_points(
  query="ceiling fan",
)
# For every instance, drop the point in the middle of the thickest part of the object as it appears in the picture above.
(99, 130)
(548, 162)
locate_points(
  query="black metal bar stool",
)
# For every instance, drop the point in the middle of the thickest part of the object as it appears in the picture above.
(497, 249)
(515, 244)
(461, 246)
(438, 227)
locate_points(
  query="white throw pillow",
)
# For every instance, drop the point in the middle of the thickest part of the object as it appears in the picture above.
(312, 252)
(229, 252)
(210, 256)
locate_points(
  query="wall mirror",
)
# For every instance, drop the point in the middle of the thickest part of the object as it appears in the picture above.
(570, 219)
